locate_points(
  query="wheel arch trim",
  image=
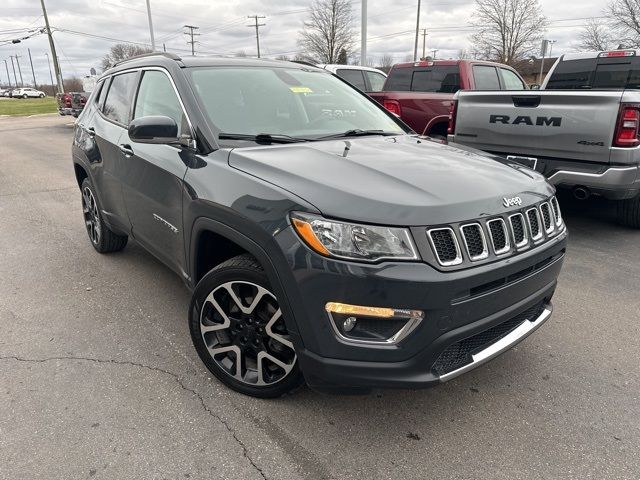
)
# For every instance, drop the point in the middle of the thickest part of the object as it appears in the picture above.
(266, 260)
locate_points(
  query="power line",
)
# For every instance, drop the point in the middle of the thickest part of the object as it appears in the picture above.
(257, 27)
(192, 34)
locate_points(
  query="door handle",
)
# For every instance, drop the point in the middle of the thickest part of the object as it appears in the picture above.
(126, 150)
(91, 132)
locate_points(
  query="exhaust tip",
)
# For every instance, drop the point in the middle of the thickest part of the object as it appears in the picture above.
(581, 193)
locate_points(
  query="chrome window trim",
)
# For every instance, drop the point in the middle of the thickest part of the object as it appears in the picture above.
(451, 263)
(507, 247)
(525, 232)
(485, 248)
(552, 225)
(540, 235)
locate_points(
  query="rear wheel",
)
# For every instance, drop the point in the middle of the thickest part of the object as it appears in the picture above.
(239, 332)
(25, 96)
(629, 212)
(102, 238)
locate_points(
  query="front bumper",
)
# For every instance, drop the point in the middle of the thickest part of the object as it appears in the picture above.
(458, 305)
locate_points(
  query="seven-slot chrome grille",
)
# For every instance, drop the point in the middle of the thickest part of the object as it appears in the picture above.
(496, 236)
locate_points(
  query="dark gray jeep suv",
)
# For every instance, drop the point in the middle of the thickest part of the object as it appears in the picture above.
(322, 239)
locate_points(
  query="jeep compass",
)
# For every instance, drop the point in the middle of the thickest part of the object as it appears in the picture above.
(324, 242)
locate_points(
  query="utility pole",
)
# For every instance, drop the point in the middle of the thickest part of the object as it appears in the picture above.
(192, 34)
(19, 70)
(415, 48)
(50, 74)
(424, 42)
(257, 27)
(435, 51)
(33, 72)
(14, 71)
(6, 65)
(544, 53)
(56, 65)
(363, 35)
(153, 40)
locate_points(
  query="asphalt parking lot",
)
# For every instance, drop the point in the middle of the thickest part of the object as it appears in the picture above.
(98, 377)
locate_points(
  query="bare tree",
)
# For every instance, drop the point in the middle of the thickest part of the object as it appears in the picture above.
(625, 16)
(240, 54)
(463, 54)
(122, 51)
(386, 62)
(328, 31)
(508, 30)
(595, 36)
(284, 58)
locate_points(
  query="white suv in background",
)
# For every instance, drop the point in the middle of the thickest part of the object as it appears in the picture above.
(28, 92)
(366, 79)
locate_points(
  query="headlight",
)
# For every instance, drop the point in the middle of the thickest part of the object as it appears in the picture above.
(352, 241)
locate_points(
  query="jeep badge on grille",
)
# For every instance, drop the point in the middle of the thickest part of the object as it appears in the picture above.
(511, 202)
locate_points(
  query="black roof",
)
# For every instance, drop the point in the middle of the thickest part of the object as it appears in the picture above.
(165, 59)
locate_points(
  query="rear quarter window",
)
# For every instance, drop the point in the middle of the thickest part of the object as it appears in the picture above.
(437, 79)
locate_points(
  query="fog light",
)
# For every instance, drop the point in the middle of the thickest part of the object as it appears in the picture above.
(349, 324)
(362, 324)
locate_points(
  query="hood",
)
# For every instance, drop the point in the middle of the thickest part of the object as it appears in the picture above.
(399, 180)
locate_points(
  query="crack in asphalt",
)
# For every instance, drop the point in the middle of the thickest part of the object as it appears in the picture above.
(205, 407)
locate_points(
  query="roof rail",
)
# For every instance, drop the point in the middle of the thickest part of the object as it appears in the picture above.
(171, 56)
(304, 62)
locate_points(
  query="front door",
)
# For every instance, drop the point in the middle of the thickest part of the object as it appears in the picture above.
(153, 175)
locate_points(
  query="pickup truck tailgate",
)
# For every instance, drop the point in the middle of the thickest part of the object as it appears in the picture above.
(576, 125)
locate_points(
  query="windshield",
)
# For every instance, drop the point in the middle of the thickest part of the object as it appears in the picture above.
(285, 101)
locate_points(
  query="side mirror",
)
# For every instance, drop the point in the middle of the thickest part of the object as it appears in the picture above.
(535, 86)
(156, 129)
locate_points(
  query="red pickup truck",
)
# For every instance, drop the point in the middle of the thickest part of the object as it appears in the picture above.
(421, 93)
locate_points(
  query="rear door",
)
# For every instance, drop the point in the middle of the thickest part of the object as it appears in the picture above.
(575, 125)
(153, 174)
(107, 127)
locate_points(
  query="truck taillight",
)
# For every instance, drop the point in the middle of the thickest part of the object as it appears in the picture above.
(393, 106)
(628, 126)
(453, 110)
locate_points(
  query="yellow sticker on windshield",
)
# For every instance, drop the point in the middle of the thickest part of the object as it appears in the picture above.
(301, 90)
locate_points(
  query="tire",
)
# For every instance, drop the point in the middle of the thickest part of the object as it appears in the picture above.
(101, 237)
(41, 95)
(25, 96)
(628, 212)
(238, 330)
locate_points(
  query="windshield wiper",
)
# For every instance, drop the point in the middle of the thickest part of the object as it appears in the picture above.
(357, 132)
(263, 138)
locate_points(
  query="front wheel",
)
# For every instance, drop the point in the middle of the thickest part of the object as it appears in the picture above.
(41, 95)
(25, 96)
(239, 332)
(629, 212)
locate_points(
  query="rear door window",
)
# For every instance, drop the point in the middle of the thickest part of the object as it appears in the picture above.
(376, 81)
(511, 81)
(486, 77)
(399, 80)
(437, 79)
(118, 102)
(572, 75)
(354, 77)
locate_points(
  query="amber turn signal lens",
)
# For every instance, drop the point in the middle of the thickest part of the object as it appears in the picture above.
(357, 310)
(306, 232)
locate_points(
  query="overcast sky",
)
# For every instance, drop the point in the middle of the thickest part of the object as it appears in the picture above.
(224, 30)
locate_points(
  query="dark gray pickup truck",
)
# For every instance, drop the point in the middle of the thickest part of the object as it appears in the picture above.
(322, 241)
